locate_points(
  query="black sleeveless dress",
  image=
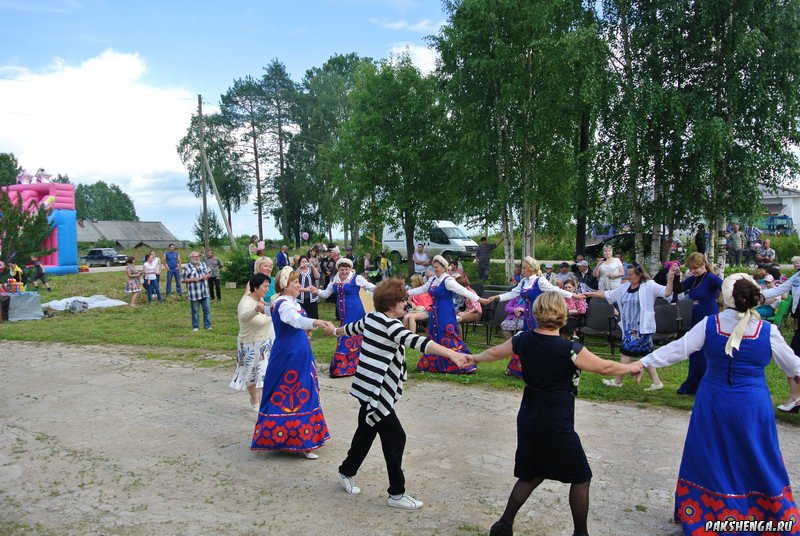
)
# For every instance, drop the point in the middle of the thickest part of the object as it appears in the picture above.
(547, 445)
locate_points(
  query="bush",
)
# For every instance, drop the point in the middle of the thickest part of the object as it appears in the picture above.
(785, 247)
(237, 267)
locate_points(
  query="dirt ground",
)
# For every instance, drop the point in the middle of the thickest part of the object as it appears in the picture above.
(100, 441)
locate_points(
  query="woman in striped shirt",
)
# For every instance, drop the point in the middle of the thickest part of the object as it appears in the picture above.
(378, 385)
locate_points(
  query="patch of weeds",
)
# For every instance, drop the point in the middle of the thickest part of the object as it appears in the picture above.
(641, 508)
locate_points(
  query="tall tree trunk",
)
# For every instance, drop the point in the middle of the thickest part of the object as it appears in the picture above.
(508, 242)
(409, 224)
(230, 222)
(259, 200)
(534, 219)
(282, 169)
(631, 143)
(582, 183)
(527, 231)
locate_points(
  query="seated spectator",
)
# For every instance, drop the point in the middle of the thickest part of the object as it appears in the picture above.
(564, 272)
(517, 277)
(455, 268)
(766, 255)
(420, 305)
(586, 280)
(471, 311)
(578, 258)
(548, 274)
(16, 273)
(777, 275)
(429, 274)
(575, 311)
(769, 306)
(513, 321)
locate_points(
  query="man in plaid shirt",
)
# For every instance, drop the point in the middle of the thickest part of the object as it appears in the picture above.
(195, 274)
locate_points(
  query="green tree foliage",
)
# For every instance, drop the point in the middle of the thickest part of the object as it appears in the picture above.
(243, 111)
(23, 229)
(216, 232)
(62, 179)
(9, 169)
(230, 175)
(280, 94)
(391, 146)
(322, 107)
(100, 201)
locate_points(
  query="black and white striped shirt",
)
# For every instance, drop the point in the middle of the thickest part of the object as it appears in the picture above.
(382, 364)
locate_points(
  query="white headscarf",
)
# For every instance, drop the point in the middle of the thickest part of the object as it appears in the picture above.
(344, 260)
(735, 340)
(441, 261)
(283, 276)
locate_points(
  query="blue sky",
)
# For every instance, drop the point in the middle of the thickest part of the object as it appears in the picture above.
(105, 89)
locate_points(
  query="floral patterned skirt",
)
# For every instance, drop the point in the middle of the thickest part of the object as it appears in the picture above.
(133, 286)
(251, 364)
(635, 344)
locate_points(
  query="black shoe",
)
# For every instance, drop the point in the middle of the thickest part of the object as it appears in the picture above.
(501, 528)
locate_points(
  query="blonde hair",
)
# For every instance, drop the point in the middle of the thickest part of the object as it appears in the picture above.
(292, 277)
(416, 281)
(795, 259)
(533, 263)
(696, 260)
(260, 262)
(759, 273)
(550, 310)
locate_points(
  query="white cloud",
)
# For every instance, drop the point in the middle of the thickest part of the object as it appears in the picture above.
(421, 56)
(101, 120)
(426, 26)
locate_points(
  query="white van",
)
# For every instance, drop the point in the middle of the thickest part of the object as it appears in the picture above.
(445, 238)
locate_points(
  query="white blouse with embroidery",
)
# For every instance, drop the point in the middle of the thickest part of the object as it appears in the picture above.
(449, 283)
(695, 338)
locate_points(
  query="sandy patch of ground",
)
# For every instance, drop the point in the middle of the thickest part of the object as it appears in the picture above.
(98, 441)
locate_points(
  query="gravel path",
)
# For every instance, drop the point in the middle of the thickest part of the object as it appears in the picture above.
(96, 440)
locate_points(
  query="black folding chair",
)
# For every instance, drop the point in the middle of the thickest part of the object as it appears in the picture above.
(600, 322)
(668, 324)
(685, 314)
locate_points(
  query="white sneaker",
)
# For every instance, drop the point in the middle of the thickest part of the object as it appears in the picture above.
(404, 502)
(308, 455)
(611, 383)
(195, 330)
(654, 387)
(348, 484)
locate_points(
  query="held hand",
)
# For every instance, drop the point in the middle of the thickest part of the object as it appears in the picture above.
(261, 307)
(579, 296)
(458, 359)
(636, 371)
(518, 311)
(484, 301)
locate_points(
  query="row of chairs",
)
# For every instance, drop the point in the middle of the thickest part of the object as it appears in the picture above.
(672, 321)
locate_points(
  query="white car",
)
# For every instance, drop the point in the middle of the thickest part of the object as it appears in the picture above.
(445, 238)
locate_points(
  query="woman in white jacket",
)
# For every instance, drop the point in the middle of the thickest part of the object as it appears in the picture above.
(635, 300)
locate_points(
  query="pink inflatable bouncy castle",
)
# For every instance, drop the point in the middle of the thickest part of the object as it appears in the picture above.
(60, 201)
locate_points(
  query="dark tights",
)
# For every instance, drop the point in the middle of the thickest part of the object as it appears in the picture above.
(578, 502)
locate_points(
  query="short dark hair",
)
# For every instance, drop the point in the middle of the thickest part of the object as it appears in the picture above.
(300, 258)
(484, 239)
(387, 294)
(171, 246)
(256, 280)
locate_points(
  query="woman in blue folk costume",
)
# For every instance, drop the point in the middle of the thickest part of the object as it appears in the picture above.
(290, 416)
(528, 289)
(347, 285)
(703, 288)
(732, 468)
(442, 322)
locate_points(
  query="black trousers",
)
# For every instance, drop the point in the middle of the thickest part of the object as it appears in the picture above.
(311, 309)
(393, 442)
(213, 282)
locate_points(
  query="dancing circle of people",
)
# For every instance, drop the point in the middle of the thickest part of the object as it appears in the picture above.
(731, 469)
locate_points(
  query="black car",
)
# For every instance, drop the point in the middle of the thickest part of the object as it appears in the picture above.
(623, 243)
(104, 257)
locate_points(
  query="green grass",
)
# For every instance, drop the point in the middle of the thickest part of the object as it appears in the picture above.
(163, 331)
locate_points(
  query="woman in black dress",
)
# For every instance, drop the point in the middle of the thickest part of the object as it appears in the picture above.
(547, 445)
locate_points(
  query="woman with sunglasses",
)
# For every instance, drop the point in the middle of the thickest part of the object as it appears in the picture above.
(635, 299)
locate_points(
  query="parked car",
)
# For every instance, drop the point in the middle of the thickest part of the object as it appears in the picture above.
(624, 243)
(445, 238)
(104, 257)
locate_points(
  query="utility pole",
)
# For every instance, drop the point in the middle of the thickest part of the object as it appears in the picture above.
(206, 172)
(203, 174)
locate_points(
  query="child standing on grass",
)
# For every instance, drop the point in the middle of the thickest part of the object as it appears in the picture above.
(133, 287)
(378, 385)
(39, 274)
